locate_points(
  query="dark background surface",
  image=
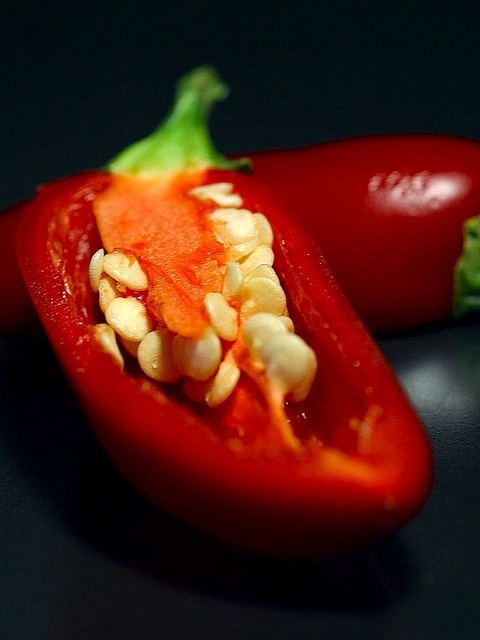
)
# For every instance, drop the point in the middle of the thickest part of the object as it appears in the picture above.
(81, 555)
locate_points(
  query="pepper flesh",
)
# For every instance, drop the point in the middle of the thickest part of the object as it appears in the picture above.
(362, 465)
(126, 221)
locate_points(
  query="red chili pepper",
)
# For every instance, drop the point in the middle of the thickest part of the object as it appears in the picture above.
(276, 466)
(388, 212)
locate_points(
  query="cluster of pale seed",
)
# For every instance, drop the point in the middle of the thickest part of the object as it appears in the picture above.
(252, 301)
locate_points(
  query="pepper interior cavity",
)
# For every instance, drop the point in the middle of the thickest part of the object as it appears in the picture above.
(247, 328)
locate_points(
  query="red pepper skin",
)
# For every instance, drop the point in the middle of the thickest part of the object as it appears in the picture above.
(387, 211)
(363, 483)
(17, 312)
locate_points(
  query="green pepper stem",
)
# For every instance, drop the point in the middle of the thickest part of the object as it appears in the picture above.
(466, 292)
(182, 142)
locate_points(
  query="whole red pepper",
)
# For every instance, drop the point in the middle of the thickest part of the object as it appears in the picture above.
(355, 463)
(388, 213)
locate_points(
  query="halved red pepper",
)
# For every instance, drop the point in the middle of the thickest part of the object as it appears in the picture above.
(335, 469)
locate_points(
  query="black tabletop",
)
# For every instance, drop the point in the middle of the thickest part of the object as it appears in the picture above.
(81, 554)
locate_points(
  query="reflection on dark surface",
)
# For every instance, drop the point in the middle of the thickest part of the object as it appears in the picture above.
(100, 507)
(443, 380)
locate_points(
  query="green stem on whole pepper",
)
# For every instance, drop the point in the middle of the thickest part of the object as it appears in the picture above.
(466, 297)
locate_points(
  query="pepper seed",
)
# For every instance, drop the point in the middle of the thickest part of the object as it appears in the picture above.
(128, 317)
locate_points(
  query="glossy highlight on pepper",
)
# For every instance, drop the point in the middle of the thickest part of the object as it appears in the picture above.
(276, 469)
